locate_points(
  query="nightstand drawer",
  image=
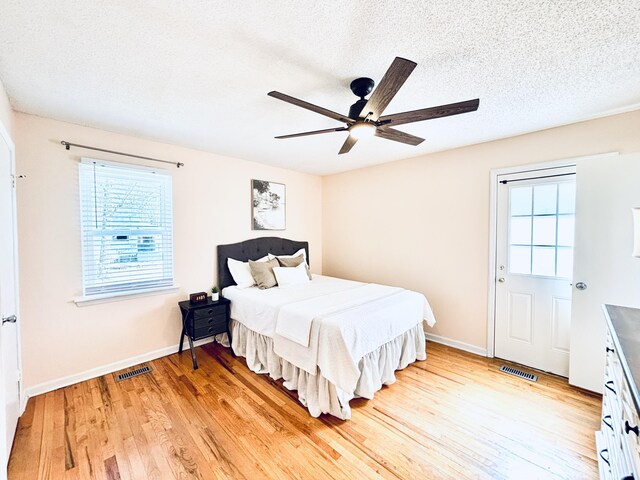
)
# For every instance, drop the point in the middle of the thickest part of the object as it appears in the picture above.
(210, 311)
(208, 321)
(214, 328)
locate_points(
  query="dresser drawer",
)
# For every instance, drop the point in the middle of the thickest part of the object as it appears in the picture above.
(209, 312)
(630, 425)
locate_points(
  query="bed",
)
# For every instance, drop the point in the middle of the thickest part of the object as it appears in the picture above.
(329, 339)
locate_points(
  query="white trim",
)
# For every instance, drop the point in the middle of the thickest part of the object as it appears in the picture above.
(4, 133)
(114, 297)
(52, 385)
(493, 225)
(467, 347)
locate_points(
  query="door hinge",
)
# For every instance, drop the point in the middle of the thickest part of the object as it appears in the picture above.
(13, 179)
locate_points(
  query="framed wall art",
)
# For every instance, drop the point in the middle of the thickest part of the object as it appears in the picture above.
(268, 205)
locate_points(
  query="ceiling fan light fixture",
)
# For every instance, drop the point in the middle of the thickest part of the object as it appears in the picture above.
(362, 130)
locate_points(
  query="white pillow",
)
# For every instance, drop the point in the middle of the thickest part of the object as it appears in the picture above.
(241, 272)
(291, 275)
(301, 251)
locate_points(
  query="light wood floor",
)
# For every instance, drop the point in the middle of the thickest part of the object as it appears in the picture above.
(451, 416)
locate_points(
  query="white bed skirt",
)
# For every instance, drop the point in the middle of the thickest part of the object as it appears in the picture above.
(316, 392)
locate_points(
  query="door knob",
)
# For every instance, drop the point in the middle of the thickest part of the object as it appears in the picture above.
(9, 319)
(501, 280)
(581, 286)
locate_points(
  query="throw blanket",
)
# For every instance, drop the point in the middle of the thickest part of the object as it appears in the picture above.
(295, 319)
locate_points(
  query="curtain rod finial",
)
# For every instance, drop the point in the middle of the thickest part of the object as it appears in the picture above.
(179, 164)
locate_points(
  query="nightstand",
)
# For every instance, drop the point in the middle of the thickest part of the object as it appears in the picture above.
(201, 320)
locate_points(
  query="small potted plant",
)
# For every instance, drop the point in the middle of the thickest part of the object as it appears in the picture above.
(215, 294)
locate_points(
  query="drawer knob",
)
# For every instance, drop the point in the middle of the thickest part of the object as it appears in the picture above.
(609, 386)
(609, 350)
(628, 428)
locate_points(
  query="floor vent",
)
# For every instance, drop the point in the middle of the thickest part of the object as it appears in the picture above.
(133, 373)
(519, 373)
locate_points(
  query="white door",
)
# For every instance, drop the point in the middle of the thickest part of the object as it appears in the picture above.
(534, 258)
(608, 188)
(9, 334)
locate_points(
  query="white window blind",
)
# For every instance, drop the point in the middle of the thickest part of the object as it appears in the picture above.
(127, 228)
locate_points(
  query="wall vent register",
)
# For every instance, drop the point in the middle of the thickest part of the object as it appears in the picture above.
(519, 373)
(133, 373)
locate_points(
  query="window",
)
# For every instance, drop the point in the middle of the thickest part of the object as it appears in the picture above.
(541, 224)
(127, 228)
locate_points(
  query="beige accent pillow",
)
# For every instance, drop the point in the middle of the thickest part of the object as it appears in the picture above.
(294, 262)
(263, 273)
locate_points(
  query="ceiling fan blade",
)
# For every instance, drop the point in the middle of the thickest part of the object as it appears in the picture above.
(311, 106)
(347, 145)
(431, 112)
(395, 77)
(398, 136)
(315, 132)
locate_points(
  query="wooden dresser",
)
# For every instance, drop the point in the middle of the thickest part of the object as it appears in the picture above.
(618, 440)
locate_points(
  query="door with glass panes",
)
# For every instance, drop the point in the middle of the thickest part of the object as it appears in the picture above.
(534, 264)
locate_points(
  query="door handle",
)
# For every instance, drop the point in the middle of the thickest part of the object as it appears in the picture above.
(501, 279)
(581, 286)
(9, 319)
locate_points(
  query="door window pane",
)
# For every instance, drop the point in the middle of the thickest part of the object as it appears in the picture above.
(567, 197)
(544, 261)
(541, 229)
(521, 230)
(520, 260)
(565, 262)
(544, 230)
(545, 199)
(565, 230)
(521, 200)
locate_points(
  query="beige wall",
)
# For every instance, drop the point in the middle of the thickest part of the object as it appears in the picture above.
(211, 206)
(6, 113)
(423, 223)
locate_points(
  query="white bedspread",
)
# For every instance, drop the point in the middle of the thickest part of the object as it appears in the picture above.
(258, 309)
(295, 319)
(340, 322)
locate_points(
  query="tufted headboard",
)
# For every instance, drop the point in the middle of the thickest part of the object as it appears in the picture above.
(252, 250)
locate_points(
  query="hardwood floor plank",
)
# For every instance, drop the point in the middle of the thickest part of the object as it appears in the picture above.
(454, 415)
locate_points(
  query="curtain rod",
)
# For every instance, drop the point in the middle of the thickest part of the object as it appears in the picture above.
(68, 145)
(504, 182)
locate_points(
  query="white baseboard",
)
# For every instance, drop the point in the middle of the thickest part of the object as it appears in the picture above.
(103, 370)
(456, 344)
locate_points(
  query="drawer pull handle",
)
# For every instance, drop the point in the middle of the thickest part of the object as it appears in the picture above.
(604, 420)
(609, 385)
(606, 460)
(609, 350)
(628, 428)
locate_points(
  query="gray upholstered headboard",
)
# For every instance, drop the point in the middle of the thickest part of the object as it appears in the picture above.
(252, 250)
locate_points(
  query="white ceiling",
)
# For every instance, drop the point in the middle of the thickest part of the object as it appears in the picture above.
(197, 73)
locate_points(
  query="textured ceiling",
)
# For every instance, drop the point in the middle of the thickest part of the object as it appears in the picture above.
(197, 73)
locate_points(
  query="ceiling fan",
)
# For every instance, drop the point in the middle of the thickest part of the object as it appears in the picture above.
(365, 116)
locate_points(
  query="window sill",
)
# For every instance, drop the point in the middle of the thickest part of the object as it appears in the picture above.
(115, 297)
